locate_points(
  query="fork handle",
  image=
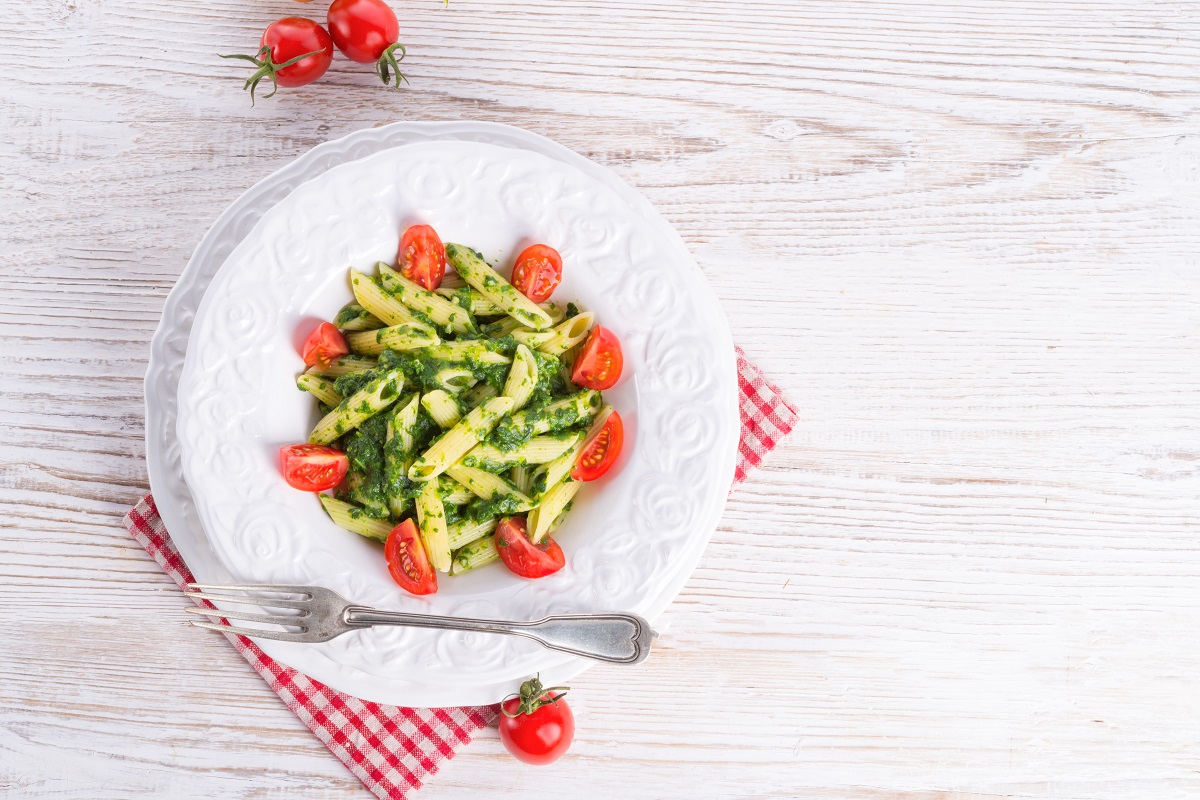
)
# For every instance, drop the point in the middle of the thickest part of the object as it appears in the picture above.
(613, 638)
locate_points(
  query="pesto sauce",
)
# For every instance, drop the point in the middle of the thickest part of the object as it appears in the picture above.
(480, 510)
(364, 447)
(551, 377)
(350, 313)
(572, 311)
(347, 385)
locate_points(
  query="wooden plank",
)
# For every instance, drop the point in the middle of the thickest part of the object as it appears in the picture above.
(960, 235)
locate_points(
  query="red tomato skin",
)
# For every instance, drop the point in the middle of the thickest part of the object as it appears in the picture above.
(541, 737)
(523, 557)
(324, 344)
(313, 467)
(295, 36)
(537, 272)
(422, 256)
(407, 562)
(600, 360)
(586, 471)
(363, 29)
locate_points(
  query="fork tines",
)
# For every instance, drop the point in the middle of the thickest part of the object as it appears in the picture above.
(284, 619)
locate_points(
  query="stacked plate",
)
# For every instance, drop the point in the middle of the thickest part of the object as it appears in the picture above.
(221, 396)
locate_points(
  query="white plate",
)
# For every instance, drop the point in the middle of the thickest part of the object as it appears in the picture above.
(239, 405)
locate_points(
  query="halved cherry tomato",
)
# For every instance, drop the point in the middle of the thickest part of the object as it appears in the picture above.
(599, 363)
(536, 724)
(601, 451)
(537, 272)
(407, 561)
(313, 467)
(422, 257)
(324, 344)
(523, 557)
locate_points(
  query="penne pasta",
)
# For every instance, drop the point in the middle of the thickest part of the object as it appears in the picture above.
(354, 317)
(351, 517)
(491, 487)
(538, 450)
(474, 555)
(568, 334)
(494, 428)
(442, 407)
(455, 442)
(346, 365)
(431, 519)
(556, 416)
(541, 518)
(471, 300)
(359, 407)
(466, 531)
(379, 303)
(319, 388)
(396, 337)
(449, 316)
(491, 285)
(522, 378)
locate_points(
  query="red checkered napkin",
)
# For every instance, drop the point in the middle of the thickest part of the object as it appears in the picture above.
(389, 748)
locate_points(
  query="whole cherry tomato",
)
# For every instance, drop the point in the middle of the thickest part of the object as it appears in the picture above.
(536, 724)
(293, 51)
(366, 31)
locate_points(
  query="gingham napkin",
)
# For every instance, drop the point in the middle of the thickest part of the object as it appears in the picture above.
(389, 748)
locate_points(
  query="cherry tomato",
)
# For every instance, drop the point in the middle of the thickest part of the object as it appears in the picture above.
(599, 363)
(523, 557)
(422, 256)
(324, 344)
(293, 51)
(601, 451)
(366, 31)
(407, 561)
(537, 725)
(538, 272)
(313, 467)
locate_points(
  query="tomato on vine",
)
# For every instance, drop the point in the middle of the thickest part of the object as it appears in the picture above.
(366, 31)
(293, 51)
(536, 724)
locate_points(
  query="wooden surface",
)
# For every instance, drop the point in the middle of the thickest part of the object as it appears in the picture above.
(962, 236)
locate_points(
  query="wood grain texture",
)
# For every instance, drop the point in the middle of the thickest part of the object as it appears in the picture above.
(961, 235)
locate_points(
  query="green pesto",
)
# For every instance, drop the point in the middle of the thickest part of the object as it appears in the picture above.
(365, 449)
(349, 313)
(455, 513)
(480, 510)
(551, 377)
(572, 311)
(347, 385)
(511, 433)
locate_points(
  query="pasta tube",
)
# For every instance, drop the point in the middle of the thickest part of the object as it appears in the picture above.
(491, 285)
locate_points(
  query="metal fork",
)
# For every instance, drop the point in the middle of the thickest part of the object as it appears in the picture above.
(322, 614)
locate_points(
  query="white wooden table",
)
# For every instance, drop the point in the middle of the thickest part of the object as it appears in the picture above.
(962, 236)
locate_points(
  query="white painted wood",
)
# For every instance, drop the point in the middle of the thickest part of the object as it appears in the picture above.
(961, 235)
